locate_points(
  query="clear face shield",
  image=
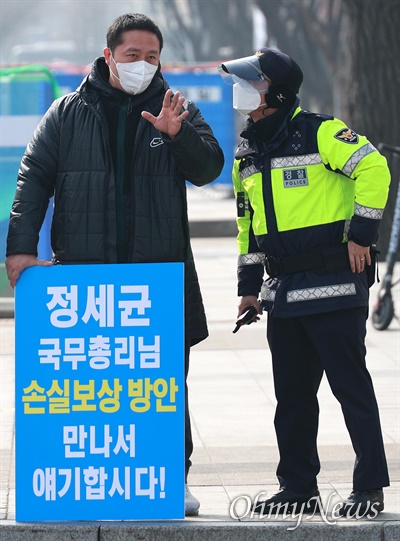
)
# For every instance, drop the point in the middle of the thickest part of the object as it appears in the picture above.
(246, 92)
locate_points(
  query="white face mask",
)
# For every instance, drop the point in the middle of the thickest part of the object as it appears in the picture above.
(245, 97)
(135, 77)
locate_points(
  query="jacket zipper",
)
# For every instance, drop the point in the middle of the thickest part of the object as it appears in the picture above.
(272, 226)
(104, 131)
(139, 131)
(120, 179)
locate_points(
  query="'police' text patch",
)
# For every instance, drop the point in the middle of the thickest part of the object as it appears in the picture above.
(292, 178)
(347, 136)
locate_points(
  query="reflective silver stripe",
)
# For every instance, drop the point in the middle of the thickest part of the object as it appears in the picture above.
(355, 159)
(367, 212)
(251, 259)
(295, 161)
(346, 226)
(322, 292)
(267, 294)
(248, 171)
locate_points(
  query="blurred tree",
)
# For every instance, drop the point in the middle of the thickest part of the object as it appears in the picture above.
(205, 31)
(348, 50)
(313, 33)
(374, 107)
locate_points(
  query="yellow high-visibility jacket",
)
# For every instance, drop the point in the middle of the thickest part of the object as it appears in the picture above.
(317, 184)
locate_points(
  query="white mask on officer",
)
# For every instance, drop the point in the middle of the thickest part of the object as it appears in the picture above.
(245, 97)
(135, 77)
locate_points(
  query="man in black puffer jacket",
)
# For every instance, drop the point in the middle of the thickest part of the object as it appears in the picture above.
(116, 154)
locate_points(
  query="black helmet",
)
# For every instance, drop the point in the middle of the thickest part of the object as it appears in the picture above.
(282, 73)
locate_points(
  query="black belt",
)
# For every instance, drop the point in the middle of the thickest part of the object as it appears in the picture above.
(329, 259)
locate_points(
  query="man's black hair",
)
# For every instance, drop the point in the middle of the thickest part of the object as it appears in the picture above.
(130, 21)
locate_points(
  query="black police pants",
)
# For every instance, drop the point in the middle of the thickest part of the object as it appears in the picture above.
(302, 349)
(188, 429)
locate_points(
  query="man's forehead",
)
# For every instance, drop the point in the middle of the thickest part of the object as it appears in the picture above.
(139, 39)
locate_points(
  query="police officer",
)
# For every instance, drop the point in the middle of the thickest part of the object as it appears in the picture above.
(310, 196)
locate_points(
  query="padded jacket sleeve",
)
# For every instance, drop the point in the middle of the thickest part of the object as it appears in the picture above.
(354, 156)
(250, 268)
(35, 185)
(195, 149)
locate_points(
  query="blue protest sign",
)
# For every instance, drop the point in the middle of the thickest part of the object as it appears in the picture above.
(100, 392)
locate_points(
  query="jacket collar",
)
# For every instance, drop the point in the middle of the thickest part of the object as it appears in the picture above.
(249, 145)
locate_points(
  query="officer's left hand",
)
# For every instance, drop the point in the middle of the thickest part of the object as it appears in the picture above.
(246, 302)
(359, 256)
(169, 120)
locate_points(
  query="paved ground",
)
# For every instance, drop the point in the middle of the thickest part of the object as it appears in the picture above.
(232, 407)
